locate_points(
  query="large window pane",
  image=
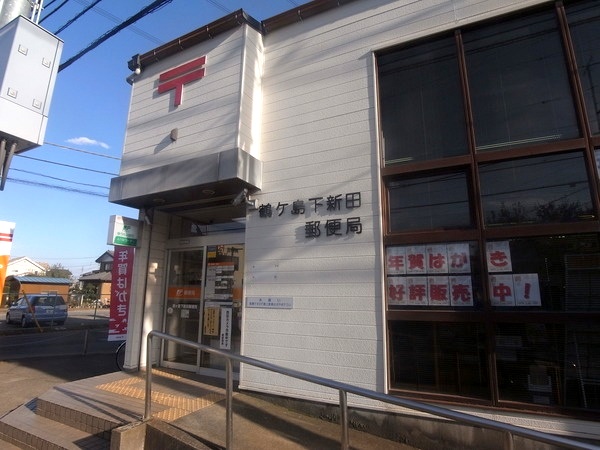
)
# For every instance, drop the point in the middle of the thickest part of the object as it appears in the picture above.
(545, 189)
(429, 202)
(549, 364)
(422, 113)
(439, 357)
(530, 362)
(584, 23)
(518, 82)
(552, 273)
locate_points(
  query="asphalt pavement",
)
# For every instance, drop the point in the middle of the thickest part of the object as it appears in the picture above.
(23, 379)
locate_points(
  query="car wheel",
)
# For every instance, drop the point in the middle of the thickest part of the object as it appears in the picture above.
(7, 318)
(23, 322)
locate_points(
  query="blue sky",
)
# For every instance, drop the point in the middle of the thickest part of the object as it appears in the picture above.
(89, 112)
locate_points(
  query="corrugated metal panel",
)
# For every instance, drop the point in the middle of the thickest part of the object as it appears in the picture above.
(43, 280)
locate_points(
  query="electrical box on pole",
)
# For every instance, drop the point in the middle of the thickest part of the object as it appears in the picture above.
(29, 60)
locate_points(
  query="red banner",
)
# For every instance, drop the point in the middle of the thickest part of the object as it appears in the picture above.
(120, 292)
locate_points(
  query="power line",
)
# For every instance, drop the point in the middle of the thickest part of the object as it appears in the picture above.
(61, 188)
(67, 165)
(77, 16)
(140, 14)
(116, 19)
(59, 179)
(83, 151)
(54, 10)
(219, 5)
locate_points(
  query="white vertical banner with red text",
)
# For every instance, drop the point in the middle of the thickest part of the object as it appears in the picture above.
(122, 271)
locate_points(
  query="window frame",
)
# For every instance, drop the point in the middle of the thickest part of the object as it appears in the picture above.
(489, 316)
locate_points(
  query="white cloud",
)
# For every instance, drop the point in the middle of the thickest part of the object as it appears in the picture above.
(87, 141)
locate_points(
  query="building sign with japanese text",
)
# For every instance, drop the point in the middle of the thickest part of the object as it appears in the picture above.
(123, 231)
(506, 289)
(429, 275)
(320, 205)
(441, 275)
(225, 334)
(122, 271)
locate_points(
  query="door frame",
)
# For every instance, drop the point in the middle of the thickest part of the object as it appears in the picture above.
(190, 244)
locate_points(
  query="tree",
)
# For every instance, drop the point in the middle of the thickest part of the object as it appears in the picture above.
(58, 271)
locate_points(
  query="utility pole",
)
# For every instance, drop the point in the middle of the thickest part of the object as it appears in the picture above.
(11, 9)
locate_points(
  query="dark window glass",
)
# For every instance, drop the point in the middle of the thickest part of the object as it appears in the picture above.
(429, 202)
(549, 364)
(544, 189)
(553, 273)
(446, 358)
(529, 361)
(518, 82)
(584, 23)
(422, 113)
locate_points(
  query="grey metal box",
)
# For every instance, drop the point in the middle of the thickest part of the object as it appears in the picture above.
(29, 60)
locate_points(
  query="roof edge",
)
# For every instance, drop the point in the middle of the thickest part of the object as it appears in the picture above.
(204, 33)
(300, 13)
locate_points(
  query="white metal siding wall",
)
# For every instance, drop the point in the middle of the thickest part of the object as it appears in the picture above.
(248, 137)
(208, 118)
(146, 302)
(319, 139)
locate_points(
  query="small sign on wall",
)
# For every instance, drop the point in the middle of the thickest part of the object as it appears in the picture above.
(270, 302)
(123, 231)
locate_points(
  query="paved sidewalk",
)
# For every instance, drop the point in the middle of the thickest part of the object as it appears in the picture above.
(24, 379)
(192, 403)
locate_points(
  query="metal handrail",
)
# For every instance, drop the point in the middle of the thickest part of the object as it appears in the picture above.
(344, 389)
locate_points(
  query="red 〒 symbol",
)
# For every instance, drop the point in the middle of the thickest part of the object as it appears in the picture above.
(177, 77)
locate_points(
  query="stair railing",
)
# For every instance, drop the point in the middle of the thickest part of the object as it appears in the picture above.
(344, 389)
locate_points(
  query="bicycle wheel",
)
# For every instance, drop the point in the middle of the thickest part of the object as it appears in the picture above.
(120, 355)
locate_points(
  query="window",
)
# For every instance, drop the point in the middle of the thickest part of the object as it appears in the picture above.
(519, 83)
(429, 202)
(492, 249)
(552, 273)
(419, 95)
(439, 357)
(545, 189)
(584, 22)
(549, 364)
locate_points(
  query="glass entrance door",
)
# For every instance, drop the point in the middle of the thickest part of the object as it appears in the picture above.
(183, 305)
(222, 302)
(204, 304)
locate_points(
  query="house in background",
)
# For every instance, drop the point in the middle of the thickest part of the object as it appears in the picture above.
(17, 285)
(100, 279)
(25, 266)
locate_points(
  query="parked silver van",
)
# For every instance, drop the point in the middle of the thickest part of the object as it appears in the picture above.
(41, 307)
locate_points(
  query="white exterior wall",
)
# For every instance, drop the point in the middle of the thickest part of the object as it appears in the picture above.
(319, 138)
(24, 266)
(209, 118)
(147, 295)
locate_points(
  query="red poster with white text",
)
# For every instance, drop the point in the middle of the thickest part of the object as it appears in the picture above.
(120, 292)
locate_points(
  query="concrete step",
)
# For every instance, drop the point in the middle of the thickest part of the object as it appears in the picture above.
(89, 412)
(26, 429)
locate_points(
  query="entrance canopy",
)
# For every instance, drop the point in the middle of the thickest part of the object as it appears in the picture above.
(205, 186)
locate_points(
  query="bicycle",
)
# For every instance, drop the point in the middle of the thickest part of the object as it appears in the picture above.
(120, 355)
